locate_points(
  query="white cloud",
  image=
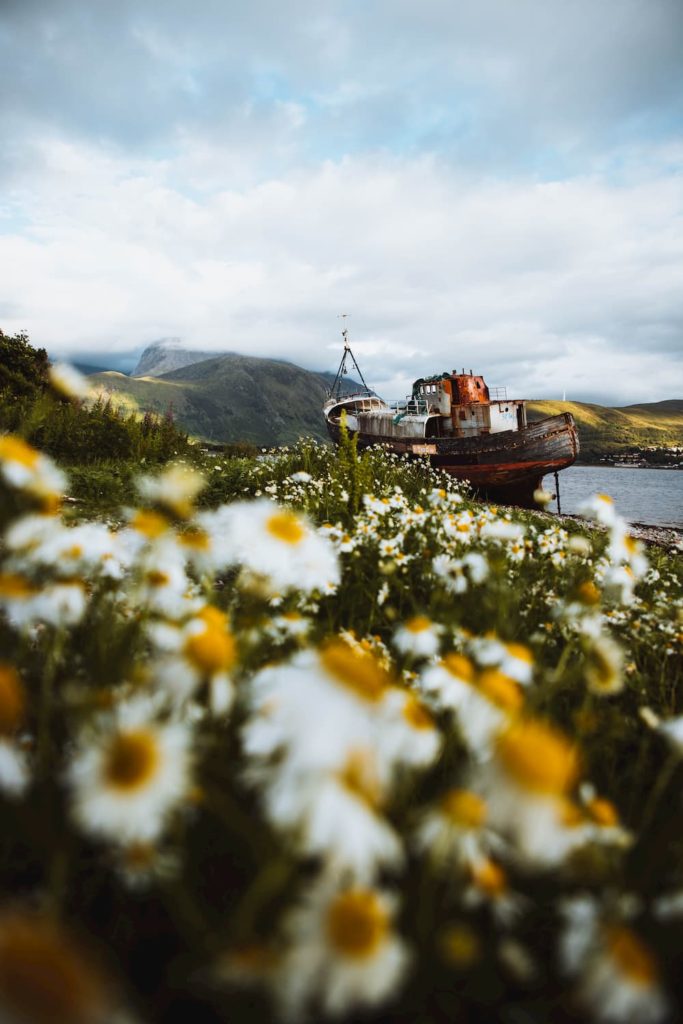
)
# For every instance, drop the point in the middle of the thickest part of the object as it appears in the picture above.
(539, 285)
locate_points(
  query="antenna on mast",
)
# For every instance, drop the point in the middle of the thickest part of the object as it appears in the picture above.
(335, 390)
(345, 331)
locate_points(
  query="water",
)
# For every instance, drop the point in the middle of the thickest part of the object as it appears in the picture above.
(652, 496)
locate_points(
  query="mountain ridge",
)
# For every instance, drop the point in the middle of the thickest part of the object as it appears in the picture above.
(227, 397)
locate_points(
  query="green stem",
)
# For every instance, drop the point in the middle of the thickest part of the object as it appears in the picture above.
(658, 790)
(269, 882)
(47, 699)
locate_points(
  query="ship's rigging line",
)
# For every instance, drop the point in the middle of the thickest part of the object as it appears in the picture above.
(335, 390)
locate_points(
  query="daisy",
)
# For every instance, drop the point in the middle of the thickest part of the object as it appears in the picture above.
(502, 529)
(618, 977)
(342, 952)
(450, 683)
(162, 585)
(453, 832)
(174, 490)
(202, 650)
(494, 702)
(599, 507)
(272, 543)
(57, 604)
(129, 776)
(526, 781)
(604, 667)
(68, 381)
(14, 775)
(407, 732)
(489, 886)
(340, 687)
(27, 469)
(418, 637)
(514, 660)
(336, 815)
(68, 551)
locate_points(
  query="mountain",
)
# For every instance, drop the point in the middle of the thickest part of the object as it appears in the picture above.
(605, 431)
(168, 354)
(231, 398)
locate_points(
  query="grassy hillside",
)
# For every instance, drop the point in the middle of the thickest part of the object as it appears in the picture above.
(269, 401)
(230, 398)
(604, 431)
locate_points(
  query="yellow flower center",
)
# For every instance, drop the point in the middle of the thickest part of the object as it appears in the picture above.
(357, 670)
(150, 524)
(195, 538)
(13, 449)
(521, 652)
(132, 760)
(213, 617)
(255, 959)
(538, 757)
(460, 946)
(588, 593)
(571, 815)
(464, 808)
(13, 586)
(418, 624)
(606, 498)
(286, 526)
(50, 503)
(502, 691)
(415, 713)
(603, 812)
(631, 955)
(139, 857)
(12, 699)
(460, 667)
(156, 578)
(360, 776)
(603, 671)
(489, 878)
(213, 650)
(44, 979)
(357, 923)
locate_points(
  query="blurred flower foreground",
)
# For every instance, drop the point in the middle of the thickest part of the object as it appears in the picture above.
(314, 736)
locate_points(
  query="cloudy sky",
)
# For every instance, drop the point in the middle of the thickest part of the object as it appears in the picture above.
(486, 183)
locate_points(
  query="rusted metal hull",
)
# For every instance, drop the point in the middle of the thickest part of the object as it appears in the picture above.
(506, 466)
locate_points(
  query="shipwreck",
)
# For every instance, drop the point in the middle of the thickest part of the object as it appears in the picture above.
(462, 426)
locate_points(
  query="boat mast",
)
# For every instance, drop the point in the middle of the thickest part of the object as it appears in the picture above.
(335, 390)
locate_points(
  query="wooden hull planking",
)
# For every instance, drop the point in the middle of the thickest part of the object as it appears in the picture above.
(507, 466)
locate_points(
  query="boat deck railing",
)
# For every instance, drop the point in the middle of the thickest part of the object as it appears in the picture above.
(498, 394)
(344, 395)
(410, 406)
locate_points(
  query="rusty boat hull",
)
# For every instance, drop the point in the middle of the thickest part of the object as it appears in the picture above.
(507, 466)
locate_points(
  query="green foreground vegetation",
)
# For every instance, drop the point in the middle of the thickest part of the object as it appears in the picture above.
(69, 429)
(317, 735)
(312, 735)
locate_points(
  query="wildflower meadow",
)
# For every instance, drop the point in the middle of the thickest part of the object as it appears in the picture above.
(315, 736)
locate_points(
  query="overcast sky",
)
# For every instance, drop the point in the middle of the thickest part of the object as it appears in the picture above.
(486, 183)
